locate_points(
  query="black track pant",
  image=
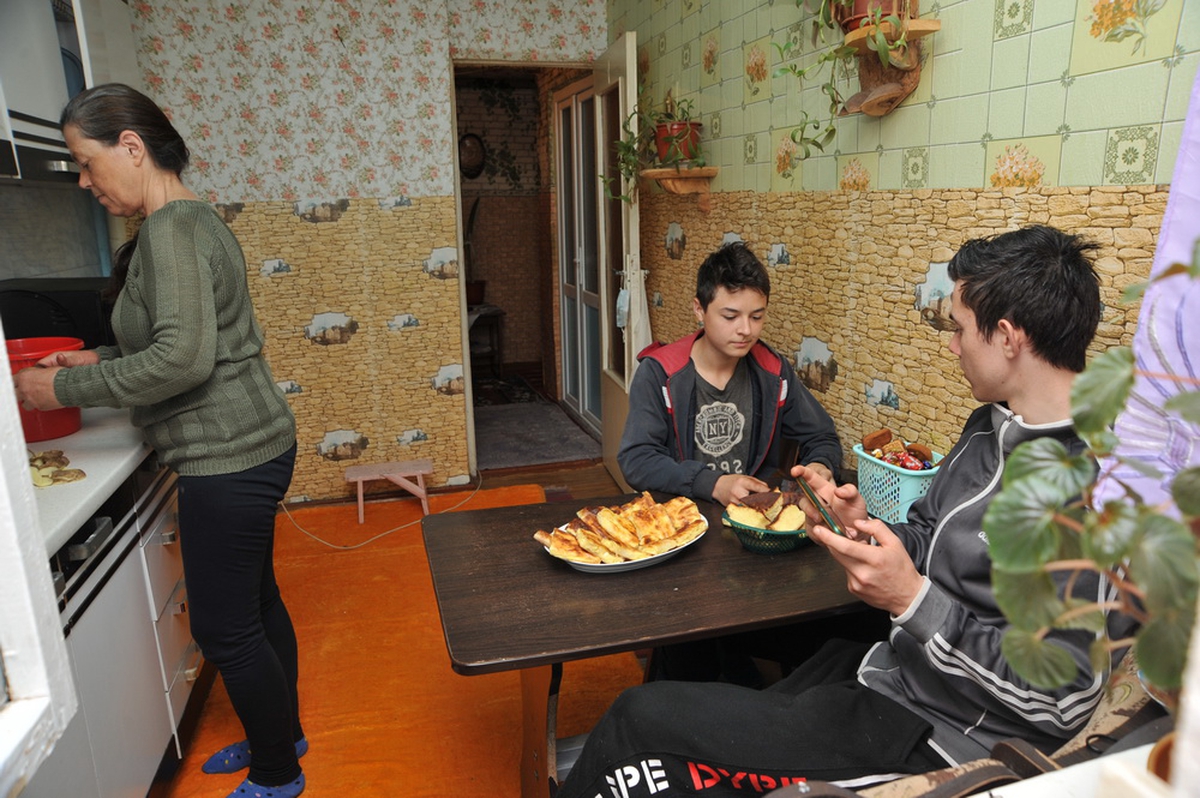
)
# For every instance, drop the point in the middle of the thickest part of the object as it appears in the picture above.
(714, 739)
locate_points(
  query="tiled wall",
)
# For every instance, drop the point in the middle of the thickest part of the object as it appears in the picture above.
(855, 278)
(1012, 92)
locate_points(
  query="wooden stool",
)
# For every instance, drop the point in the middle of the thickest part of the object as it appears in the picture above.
(398, 473)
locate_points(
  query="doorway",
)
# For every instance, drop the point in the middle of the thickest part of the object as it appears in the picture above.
(509, 267)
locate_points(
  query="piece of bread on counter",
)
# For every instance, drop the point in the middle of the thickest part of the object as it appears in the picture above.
(769, 503)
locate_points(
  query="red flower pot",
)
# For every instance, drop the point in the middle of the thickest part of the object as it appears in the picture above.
(677, 141)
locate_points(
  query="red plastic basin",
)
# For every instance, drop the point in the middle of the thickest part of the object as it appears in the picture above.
(42, 425)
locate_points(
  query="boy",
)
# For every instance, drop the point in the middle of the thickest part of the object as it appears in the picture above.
(712, 414)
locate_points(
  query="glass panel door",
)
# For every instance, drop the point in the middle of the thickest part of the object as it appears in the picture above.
(579, 282)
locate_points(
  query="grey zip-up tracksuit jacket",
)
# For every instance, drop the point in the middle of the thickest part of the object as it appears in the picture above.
(942, 659)
(659, 444)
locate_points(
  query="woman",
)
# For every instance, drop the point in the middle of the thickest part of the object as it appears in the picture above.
(189, 364)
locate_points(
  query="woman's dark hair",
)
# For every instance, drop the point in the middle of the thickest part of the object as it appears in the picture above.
(732, 267)
(1040, 279)
(102, 113)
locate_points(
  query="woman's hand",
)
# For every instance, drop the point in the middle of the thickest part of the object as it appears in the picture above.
(732, 488)
(66, 359)
(35, 388)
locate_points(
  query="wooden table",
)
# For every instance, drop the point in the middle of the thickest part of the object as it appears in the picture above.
(506, 604)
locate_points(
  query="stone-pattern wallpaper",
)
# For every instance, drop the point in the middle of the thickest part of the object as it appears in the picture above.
(1011, 93)
(855, 278)
(360, 306)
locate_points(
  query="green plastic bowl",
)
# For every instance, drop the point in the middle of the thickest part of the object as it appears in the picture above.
(764, 541)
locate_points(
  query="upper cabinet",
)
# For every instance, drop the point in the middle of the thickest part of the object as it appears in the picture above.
(50, 49)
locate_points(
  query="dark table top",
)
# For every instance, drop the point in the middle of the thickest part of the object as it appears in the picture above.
(507, 604)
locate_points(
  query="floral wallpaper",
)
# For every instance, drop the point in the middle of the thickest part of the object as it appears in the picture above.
(527, 30)
(329, 99)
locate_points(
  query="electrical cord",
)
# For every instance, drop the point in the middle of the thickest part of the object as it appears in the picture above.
(372, 539)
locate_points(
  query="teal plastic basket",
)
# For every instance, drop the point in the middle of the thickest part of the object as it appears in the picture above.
(889, 490)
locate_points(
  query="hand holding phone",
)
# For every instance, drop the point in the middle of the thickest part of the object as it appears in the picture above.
(828, 516)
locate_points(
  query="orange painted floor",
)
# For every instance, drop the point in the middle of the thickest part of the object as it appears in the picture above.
(384, 713)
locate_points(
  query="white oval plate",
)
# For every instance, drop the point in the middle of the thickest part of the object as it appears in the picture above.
(631, 565)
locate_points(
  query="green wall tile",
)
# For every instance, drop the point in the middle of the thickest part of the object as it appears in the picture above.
(1082, 161)
(1183, 75)
(1010, 62)
(1045, 109)
(820, 174)
(870, 133)
(890, 164)
(1049, 53)
(1052, 12)
(1172, 135)
(950, 165)
(1006, 113)
(960, 72)
(1092, 100)
(905, 127)
(958, 119)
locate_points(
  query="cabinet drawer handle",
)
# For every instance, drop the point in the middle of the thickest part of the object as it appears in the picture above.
(179, 607)
(192, 672)
(169, 536)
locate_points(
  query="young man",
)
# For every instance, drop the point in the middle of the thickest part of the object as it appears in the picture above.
(938, 691)
(711, 414)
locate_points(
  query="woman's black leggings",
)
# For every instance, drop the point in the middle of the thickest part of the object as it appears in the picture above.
(227, 533)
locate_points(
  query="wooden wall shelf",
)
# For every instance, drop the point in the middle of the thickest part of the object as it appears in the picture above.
(686, 180)
(916, 29)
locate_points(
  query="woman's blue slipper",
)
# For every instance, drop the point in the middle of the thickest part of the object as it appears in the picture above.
(233, 758)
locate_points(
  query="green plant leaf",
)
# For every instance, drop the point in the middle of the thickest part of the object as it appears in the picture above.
(1040, 663)
(1020, 525)
(1092, 621)
(1163, 563)
(1099, 393)
(1133, 293)
(1028, 600)
(1101, 443)
(1187, 405)
(1109, 535)
(1185, 489)
(1162, 647)
(1049, 459)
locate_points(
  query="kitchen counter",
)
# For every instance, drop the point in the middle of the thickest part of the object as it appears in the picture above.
(108, 449)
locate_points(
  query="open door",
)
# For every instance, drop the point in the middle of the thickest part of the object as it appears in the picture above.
(615, 92)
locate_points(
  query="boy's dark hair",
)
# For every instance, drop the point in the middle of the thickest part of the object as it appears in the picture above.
(732, 267)
(1040, 279)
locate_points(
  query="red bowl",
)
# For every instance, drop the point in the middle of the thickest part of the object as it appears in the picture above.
(43, 425)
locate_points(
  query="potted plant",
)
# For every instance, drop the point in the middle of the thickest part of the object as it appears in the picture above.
(668, 137)
(1148, 551)
(677, 133)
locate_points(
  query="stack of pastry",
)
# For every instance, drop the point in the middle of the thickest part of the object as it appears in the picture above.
(633, 531)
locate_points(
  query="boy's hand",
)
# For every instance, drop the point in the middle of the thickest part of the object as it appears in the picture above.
(846, 501)
(882, 575)
(732, 488)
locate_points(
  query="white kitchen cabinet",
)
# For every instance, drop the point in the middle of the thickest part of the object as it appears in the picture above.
(115, 663)
(106, 44)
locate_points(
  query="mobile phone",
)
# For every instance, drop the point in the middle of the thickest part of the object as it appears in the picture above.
(827, 514)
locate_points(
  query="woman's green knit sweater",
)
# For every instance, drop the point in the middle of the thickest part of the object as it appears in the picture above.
(188, 360)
